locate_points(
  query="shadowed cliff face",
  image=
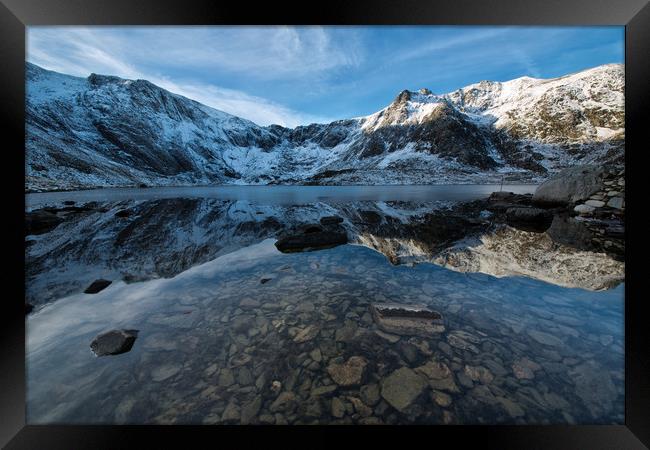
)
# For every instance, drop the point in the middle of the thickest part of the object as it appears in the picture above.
(71, 246)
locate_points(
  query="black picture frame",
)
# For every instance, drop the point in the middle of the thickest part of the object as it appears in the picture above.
(15, 15)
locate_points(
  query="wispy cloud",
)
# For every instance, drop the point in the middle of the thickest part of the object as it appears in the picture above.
(82, 51)
(259, 110)
(298, 75)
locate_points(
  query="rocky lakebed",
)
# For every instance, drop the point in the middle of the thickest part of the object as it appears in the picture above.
(503, 308)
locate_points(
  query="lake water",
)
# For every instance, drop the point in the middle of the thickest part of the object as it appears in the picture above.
(283, 195)
(231, 330)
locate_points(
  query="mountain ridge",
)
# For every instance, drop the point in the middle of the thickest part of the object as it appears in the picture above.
(108, 131)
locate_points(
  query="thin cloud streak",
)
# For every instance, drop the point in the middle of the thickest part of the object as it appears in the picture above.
(304, 74)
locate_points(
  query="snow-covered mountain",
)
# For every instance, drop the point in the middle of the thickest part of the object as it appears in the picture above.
(108, 131)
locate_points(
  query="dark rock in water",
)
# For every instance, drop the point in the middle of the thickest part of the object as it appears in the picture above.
(370, 216)
(265, 280)
(407, 319)
(570, 185)
(312, 238)
(312, 229)
(569, 231)
(331, 220)
(39, 222)
(97, 285)
(501, 196)
(529, 219)
(123, 213)
(142, 185)
(69, 202)
(113, 342)
(502, 201)
(28, 308)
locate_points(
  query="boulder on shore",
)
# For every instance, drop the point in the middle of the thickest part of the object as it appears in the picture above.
(570, 185)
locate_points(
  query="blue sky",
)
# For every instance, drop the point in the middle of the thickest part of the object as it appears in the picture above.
(299, 75)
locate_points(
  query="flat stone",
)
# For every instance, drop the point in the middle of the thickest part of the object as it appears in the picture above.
(250, 410)
(370, 421)
(338, 408)
(162, 373)
(231, 413)
(267, 419)
(407, 319)
(323, 390)
(545, 338)
(113, 342)
(370, 394)
(349, 373)
(306, 334)
(479, 373)
(316, 355)
(392, 338)
(615, 202)
(584, 209)
(249, 303)
(346, 332)
(595, 387)
(402, 387)
(441, 398)
(595, 203)
(455, 340)
(361, 408)
(524, 369)
(513, 409)
(435, 370)
(226, 378)
(284, 402)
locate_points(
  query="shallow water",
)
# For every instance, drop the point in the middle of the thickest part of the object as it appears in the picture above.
(214, 338)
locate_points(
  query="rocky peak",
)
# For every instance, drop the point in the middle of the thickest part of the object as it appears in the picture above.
(424, 91)
(99, 80)
(403, 96)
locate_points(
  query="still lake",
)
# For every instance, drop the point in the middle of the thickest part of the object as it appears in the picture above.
(231, 330)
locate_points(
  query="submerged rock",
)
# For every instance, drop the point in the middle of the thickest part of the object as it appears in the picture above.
(402, 387)
(97, 286)
(401, 319)
(113, 342)
(349, 373)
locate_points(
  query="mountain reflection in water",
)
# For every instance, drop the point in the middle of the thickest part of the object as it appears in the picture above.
(223, 315)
